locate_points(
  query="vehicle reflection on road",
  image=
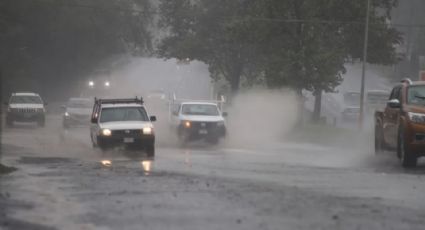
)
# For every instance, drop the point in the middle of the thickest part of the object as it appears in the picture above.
(106, 163)
(147, 166)
(187, 158)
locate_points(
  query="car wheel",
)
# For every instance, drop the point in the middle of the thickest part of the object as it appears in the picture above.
(408, 159)
(379, 139)
(150, 150)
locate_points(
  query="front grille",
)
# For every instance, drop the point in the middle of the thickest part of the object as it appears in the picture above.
(204, 125)
(127, 133)
(27, 110)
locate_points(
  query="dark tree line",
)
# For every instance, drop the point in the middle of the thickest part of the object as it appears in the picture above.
(49, 45)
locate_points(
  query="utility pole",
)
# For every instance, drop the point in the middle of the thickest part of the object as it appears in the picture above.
(362, 89)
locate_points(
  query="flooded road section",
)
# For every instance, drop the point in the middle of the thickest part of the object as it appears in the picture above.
(63, 183)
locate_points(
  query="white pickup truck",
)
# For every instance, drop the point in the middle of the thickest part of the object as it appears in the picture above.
(198, 120)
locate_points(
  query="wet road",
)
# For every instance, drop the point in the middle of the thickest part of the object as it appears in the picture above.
(62, 183)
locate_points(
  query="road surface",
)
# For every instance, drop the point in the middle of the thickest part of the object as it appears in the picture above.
(62, 183)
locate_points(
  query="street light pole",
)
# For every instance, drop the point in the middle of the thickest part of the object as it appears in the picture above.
(362, 89)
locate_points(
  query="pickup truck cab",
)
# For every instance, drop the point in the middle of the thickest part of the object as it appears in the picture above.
(401, 125)
(122, 122)
(199, 120)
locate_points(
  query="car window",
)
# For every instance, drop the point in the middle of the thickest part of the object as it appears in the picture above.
(416, 95)
(395, 94)
(123, 114)
(200, 109)
(25, 100)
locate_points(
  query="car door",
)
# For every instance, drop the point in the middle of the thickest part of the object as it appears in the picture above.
(391, 118)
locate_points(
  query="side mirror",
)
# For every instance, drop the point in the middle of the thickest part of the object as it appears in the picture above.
(153, 118)
(394, 103)
(94, 120)
(224, 114)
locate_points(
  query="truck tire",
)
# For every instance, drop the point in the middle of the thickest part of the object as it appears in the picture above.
(407, 158)
(150, 150)
(379, 139)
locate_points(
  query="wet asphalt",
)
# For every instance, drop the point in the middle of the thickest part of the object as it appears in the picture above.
(63, 183)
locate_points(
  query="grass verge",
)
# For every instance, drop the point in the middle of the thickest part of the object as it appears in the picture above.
(6, 170)
(329, 135)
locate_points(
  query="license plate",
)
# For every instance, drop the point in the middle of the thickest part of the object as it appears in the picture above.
(203, 131)
(128, 140)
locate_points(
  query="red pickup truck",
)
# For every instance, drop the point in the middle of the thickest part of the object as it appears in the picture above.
(401, 126)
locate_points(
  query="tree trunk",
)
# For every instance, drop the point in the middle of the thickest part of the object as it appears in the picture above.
(234, 79)
(317, 105)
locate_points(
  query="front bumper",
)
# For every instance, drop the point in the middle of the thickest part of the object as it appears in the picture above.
(198, 131)
(131, 141)
(25, 116)
(350, 116)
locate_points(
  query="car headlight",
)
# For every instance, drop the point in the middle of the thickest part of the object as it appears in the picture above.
(66, 114)
(187, 124)
(147, 130)
(416, 117)
(106, 132)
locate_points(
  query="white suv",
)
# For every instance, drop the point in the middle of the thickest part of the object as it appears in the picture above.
(199, 120)
(25, 107)
(122, 122)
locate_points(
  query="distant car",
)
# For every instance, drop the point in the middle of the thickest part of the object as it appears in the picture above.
(25, 107)
(199, 120)
(157, 94)
(350, 114)
(376, 100)
(401, 125)
(122, 122)
(77, 112)
(351, 110)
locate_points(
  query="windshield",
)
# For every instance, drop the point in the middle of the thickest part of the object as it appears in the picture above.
(25, 100)
(416, 95)
(123, 114)
(200, 109)
(85, 104)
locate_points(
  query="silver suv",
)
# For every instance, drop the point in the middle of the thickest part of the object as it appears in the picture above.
(25, 107)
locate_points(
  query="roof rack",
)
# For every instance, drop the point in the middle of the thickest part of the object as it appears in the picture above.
(119, 101)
